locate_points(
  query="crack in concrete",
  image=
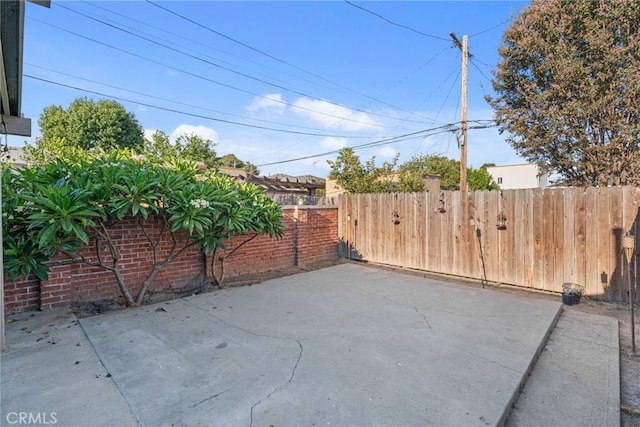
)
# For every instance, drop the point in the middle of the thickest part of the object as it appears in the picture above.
(293, 371)
(457, 313)
(423, 316)
(496, 363)
(111, 378)
(404, 305)
(209, 398)
(275, 390)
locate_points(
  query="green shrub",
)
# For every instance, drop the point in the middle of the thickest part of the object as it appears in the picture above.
(65, 205)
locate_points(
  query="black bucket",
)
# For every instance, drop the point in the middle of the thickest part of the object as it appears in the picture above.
(570, 299)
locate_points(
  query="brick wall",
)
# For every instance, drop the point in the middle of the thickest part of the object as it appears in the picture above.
(311, 236)
(317, 236)
(21, 295)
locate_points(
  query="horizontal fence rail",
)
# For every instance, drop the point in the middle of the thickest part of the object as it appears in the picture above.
(535, 238)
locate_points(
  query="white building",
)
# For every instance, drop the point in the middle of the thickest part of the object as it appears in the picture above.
(514, 177)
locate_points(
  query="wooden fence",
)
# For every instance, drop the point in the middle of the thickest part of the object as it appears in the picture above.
(550, 236)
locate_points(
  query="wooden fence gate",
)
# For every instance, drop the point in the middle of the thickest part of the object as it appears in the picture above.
(546, 238)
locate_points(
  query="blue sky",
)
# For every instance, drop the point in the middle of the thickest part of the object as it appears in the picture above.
(277, 81)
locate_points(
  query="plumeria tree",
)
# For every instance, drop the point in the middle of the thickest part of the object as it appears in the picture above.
(65, 205)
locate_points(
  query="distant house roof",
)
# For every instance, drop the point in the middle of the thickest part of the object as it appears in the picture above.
(276, 185)
(309, 179)
(234, 172)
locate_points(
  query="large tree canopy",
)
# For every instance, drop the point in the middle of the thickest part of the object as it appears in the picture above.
(568, 89)
(88, 124)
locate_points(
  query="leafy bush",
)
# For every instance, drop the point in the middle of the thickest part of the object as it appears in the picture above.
(65, 205)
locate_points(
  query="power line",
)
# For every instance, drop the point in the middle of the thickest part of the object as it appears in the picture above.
(395, 23)
(440, 129)
(273, 57)
(197, 42)
(172, 110)
(211, 63)
(224, 84)
(166, 99)
(390, 88)
(491, 28)
(446, 98)
(478, 68)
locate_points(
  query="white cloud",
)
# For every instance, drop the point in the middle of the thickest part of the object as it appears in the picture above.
(332, 143)
(335, 116)
(148, 133)
(386, 152)
(199, 130)
(171, 72)
(271, 103)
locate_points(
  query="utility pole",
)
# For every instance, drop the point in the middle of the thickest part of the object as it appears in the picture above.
(464, 47)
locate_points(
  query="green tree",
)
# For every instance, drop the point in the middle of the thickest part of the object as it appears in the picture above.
(232, 161)
(195, 148)
(479, 179)
(355, 177)
(61, 206)
(447, 169)
(251, 169)
(568, 89)
(47, 150)
(90, 125)
(158, 148)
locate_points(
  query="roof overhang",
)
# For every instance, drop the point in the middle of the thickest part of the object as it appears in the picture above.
(11, 42)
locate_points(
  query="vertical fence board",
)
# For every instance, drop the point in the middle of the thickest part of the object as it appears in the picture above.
(509, 237)
(517, 223)
(417, 228)
(549, 273)
(615, 249)
(478, 234)
(538, 242)
(342, 223)
(580, 253)
(591, 242)
(470, 248)
(491, 236)
(558, 239)
(366, 216)
(528, 239)
(568, 235)
(628, 222)
(434, 225)
(636, 233)
(604, 238)
(454, 215)
(446, 242)
(424, 230)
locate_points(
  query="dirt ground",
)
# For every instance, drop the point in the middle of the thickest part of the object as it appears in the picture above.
(629, 362)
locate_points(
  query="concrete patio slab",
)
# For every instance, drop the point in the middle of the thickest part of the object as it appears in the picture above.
(345, 345)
